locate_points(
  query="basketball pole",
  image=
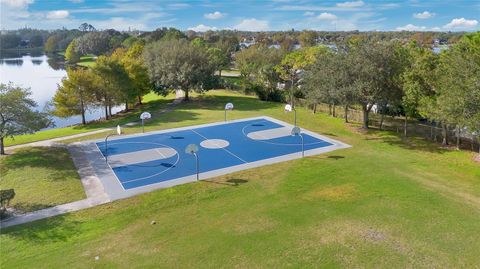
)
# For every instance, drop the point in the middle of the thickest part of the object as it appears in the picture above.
(294, 117)
(196, 159)
(303, 145)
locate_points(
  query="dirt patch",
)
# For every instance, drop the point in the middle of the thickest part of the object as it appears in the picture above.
(476, 158)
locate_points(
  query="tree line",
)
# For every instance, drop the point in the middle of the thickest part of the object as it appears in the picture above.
(388, 77)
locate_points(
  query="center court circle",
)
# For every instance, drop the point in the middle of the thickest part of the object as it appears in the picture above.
(214, 144)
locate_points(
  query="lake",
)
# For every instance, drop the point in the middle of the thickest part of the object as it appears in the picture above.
(41, 74)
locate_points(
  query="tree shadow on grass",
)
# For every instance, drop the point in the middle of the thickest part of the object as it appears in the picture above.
(208, 102)
(230, 182)
(54, 229)
(215, 102)
(336, 157)
(410, 143)
(131, 115)
(24, 207)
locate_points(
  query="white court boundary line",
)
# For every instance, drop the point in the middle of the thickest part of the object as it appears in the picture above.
(275, 143)
(228, 151)
(147, 177)
(118, 194)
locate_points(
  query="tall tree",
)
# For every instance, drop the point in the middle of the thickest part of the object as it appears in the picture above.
(115, 83)
(417, 81)
(257, 68)
(51, 45)
(76, 94)
(72, 55)
(328, 80)
(178, 65)
(17, 113)
(218, 59)
(458, 85)
(374, 67)
(137, 71)
(294, 63)
(96, 43)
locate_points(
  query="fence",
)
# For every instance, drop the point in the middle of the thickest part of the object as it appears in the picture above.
(397, 124)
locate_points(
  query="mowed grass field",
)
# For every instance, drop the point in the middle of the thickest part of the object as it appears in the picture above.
(41, 177)
(152, 102)
(385, 202)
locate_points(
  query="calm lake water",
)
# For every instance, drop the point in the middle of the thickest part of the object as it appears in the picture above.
(41, 74)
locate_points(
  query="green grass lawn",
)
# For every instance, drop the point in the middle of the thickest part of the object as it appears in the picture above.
(87, 61)
(151, 101)
(385, 202)
(41, 177)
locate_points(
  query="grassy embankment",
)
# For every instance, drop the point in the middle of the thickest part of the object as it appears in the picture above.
(152, 102)
(385, 202)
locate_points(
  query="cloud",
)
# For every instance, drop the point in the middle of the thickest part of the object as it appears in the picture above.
(352, 4)
(388, 6)
(17, 3)
(461, 23)
(423, 15)
(215, 15)
(411, 27)
(309, 13)
(202, 28)
(57, 14)
(178, 5)
(327, 16)
(252, 25)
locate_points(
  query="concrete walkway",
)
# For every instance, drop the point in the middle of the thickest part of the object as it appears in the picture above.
(179, 95)
(52, 142)
(92, 185)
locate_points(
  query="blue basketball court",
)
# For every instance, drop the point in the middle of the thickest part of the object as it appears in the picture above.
(144, 160)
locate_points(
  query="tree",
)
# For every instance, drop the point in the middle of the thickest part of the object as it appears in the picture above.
(457, 86)
(307, 38)
(85, 27)
(17, 113)
(72, 55)
(115, 85)
(256, 65)
(36, 41)
(9, 41)
(76, 93)
(374, 67)
(177, 64)
(173, 34)
(218, 59)
(294, 63)
(96, 43)
(328, 80)
(134, 66)
(417, 81)
(51, 45)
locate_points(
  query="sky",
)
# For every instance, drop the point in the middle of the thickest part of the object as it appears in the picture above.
(247, 15)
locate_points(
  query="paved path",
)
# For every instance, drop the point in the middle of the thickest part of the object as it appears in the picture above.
(53, 141)
(179, 95)
(91, 183)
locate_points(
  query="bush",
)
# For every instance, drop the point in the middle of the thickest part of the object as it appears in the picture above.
(5, 197)
(264, 94)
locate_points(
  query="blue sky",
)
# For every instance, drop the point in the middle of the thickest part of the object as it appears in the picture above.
(249, 15)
